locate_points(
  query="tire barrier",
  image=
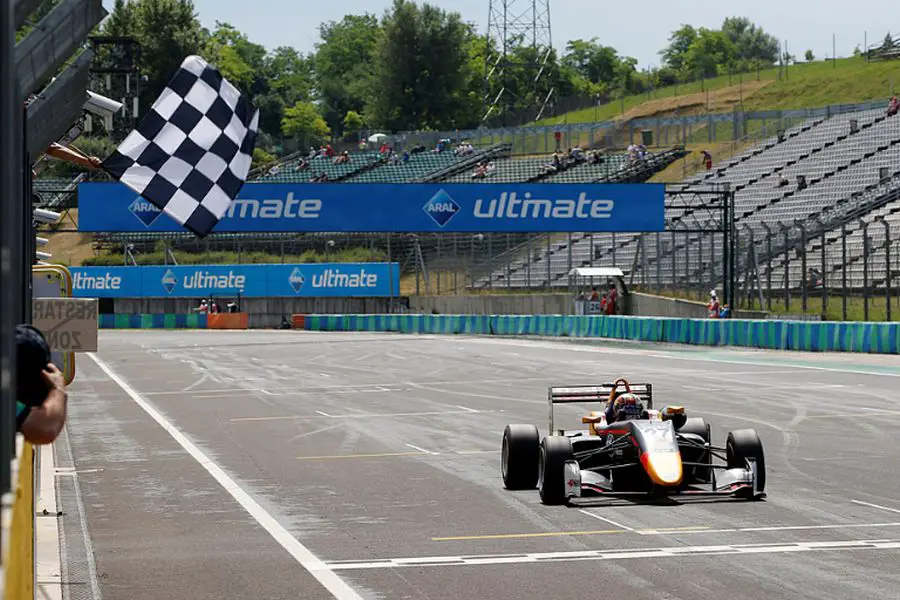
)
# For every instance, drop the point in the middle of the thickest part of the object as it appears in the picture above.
(810, 336)
(153, 321)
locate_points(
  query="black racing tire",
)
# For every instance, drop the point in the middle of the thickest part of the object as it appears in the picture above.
(519, 457)
(554, 452)
(743, 444)
(697, 426)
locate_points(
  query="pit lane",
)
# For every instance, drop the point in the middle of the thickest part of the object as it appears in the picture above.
(380, 455)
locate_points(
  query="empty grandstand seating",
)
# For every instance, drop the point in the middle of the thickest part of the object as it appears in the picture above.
(838, 162)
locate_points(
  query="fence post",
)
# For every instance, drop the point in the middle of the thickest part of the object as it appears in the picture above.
(804, 293)
(768, 266)
(865, 230)
(844, 270)
(785, 230)
(887, 264)
(825, 277)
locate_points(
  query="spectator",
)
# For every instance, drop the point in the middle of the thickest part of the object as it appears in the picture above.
(578, 154)
(595, 295)
(41, 396)
(406, 157)
(782, 180)
(893, 107)
(612, 299)
(713, 306)
(707, 160)
(303, 164)
(343, 158)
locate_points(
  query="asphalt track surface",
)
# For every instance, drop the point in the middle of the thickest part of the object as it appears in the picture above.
(315, 465)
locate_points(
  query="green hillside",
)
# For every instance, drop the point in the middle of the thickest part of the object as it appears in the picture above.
(807, 85)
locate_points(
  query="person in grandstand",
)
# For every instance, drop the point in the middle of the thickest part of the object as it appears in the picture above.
(41, 396)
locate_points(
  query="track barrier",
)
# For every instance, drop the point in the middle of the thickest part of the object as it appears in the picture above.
(153, 321)
(865, 337)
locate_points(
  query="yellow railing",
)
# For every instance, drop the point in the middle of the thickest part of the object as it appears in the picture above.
(18, 529)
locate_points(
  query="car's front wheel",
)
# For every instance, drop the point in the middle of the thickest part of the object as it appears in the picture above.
(741, 445)
(555, 451)
(519, 457)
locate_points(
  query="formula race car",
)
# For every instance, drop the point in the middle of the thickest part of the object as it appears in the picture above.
(629, 449)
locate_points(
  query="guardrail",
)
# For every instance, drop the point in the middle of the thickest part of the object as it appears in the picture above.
(866, 337)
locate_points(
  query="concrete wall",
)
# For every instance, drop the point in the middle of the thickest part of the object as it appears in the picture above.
(265, 313)
(647, 305)
(500, 304)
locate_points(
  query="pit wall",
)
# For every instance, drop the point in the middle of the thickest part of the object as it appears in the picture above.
(881, 338)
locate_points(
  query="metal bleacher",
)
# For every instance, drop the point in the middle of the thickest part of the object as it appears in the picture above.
(837, 162)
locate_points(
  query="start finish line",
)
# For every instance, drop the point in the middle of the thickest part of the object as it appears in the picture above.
(396, 208)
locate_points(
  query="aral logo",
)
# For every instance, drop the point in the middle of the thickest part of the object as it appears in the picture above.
(297, 280)
(441, 208)
(146, 212)
(169, 281)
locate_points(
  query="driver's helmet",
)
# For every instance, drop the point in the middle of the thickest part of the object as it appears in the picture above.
(627, 407)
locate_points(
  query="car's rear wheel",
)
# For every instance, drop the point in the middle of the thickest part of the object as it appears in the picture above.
(519, 457)
(554, 452)
(741, 445)
(692, 454)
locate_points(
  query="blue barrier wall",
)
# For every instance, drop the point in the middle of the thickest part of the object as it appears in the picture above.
(881, 338)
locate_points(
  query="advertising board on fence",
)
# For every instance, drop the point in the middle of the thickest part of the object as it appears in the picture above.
(348, 207)
(248, 281)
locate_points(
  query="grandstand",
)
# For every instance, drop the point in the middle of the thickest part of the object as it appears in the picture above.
(821, 167)
(829, 171)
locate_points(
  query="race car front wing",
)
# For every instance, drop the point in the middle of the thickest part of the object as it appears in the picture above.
(733, 482)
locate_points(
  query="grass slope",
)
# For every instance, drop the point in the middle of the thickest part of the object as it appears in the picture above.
(807, 85)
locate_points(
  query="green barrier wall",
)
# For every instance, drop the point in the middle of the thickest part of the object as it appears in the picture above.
(882, 338)
(154, 321)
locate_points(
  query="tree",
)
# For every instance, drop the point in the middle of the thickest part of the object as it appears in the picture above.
(353, 121)
(304, 123)
(420, 69)
(810, 56)
(680, 42)
(709, 51)
(168, 31)
(753, 46)
(343, 65)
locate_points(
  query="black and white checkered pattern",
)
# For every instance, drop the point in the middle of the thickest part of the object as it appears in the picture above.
(191, 154)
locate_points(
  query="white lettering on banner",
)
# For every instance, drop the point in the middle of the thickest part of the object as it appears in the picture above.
(510, 206)
(200, 280)
(84, 282)
(333, 278)
(275, 208)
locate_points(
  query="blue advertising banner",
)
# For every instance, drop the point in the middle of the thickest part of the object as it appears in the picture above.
(347, 207)
(249, 281)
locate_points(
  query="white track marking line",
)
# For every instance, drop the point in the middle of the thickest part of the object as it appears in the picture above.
(362, 415)
(417, 448)
(324, 414)
(466, 408)
(768, 528)
(619, 554)
(878, 506)
(610, 521)
(338, 588)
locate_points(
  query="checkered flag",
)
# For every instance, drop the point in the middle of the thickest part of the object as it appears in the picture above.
(191, 154)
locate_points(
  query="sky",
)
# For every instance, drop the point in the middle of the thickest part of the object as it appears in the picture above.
(635, 28)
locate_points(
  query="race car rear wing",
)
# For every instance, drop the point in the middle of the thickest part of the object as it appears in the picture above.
(573, 394)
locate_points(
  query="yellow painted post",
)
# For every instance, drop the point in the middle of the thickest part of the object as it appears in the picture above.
(19, 563)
